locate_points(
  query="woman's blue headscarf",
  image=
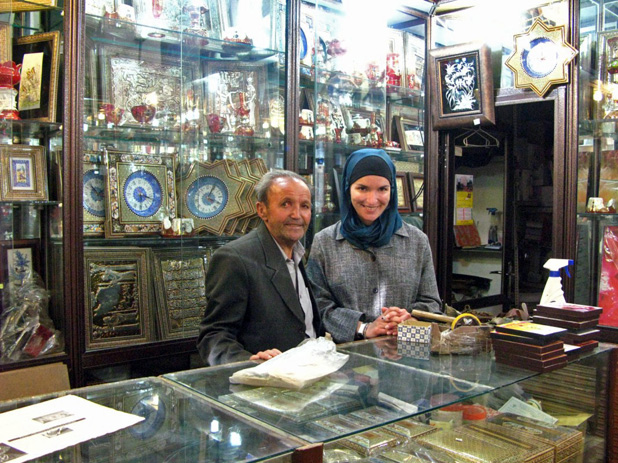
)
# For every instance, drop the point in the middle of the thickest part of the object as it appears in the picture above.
(380, 231)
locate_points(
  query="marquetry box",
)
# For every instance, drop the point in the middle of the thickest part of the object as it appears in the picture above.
(530, 451)
(469, 448)
(568, 443)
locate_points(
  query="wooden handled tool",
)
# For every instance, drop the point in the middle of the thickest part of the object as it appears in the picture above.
(465, 319)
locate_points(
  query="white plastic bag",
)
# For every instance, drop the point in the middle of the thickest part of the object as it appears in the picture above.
(296, 368)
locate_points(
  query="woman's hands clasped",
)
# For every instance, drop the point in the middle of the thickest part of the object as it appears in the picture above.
(386, 324)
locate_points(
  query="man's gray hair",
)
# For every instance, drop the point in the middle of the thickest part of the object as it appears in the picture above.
(262, 187)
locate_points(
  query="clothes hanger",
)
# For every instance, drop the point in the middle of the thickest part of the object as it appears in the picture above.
(477, 138)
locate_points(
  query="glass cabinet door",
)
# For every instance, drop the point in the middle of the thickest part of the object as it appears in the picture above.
(32, 314)
(183, 114)
(362, 86)
(597, 171)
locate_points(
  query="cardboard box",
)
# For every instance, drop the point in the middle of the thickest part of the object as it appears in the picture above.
(414, 331)
(27, 382)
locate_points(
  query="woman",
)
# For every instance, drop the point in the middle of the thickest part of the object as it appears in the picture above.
(370, 269)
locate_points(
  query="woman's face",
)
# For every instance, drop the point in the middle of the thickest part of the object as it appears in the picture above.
(370, 196)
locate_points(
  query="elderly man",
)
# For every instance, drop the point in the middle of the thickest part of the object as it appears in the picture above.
(259, 297)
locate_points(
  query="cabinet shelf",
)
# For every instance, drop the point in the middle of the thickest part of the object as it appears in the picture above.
(176, 135)
(190, 242)
(136, 352)
(40, 360)
(127, 35)
(28, 128)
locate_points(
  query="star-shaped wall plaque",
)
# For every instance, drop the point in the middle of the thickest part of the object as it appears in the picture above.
(541, 58)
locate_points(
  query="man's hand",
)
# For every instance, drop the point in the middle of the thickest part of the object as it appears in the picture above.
(265, 354)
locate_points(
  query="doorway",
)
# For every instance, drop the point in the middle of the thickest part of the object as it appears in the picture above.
(510, 171)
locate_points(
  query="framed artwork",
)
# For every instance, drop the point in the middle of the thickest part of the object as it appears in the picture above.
(462, 85)
(247, 174)
(134, 81)
(395, 60)
(404, 204)
(414, 61)
(6, 42)
(180, 290)
(117, 297)
(140, 192)
(234, 90)
(417, 185)
(39, 56)
(93, 197)
(18, 260)
(212, 195)
(23, 173)
(411, 135)
(11, 6)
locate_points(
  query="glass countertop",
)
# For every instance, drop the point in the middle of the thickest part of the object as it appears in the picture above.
(376, 386)
(179, 426)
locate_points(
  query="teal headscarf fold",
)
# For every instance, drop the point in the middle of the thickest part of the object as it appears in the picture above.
(380, 231)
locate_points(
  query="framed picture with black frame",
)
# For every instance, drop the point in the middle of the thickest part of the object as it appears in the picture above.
(39, 56)
(462, 84)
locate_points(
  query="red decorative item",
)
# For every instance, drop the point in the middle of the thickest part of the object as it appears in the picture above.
(9, 74)
(393, 70)
(143, 113)
(215, 122)
(113, 115)
(157, 8)
(608, 284)
(242, 109)
(9, 77)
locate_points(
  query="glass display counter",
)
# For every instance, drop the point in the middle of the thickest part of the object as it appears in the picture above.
(379, 376)
(198, 415)
(178, 426)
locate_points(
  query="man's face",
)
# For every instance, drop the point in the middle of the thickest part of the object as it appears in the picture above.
(287, 212)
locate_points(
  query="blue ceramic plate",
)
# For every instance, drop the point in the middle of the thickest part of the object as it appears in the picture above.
(303, 44)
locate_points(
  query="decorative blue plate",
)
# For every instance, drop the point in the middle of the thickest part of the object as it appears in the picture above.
(303, 44)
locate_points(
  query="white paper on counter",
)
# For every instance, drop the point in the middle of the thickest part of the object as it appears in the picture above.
(40, 429)
(519, 407)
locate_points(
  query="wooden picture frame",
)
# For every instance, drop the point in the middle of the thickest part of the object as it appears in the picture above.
(417, 186)
(39, 55)
(232, 85)
(410, 133)
(93, 196)
(17, 6)
(127, 214)
(462, 86)
(404, 204)
(23, 173)
(6, 42)
(117, 297)
(180, 290)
